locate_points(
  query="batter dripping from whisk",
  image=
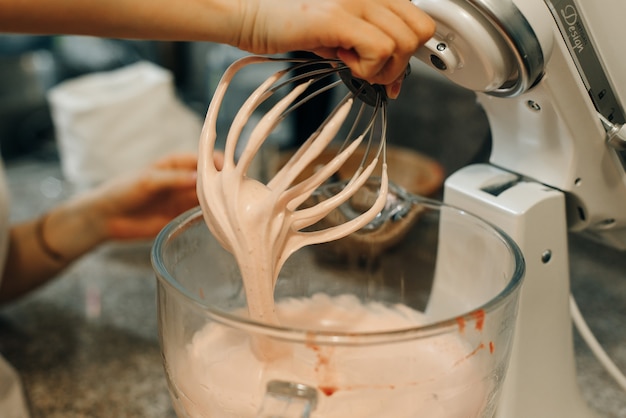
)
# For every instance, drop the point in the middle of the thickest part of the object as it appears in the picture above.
(223, 372)
(261, 224)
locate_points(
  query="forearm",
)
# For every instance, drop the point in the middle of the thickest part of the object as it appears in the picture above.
(208, 20)
(41, 248)
(126, 208)
(375, 38)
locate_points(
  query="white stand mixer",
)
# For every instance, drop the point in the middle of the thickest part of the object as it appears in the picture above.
(551, 78)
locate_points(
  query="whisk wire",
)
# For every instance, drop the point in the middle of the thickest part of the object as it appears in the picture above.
(259, 95)
(312, 147)
(267, 124)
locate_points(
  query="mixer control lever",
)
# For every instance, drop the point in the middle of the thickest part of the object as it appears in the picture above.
(615, 134)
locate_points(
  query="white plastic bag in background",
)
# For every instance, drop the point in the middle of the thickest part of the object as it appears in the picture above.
(117, 121)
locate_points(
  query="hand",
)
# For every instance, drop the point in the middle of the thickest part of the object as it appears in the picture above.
(375, 38)
(140, 206)
(124, 208)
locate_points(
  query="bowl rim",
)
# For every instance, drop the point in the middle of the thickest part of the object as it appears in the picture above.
(303, 335)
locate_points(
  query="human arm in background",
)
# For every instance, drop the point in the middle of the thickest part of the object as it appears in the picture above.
(375, 38)
(126, 208)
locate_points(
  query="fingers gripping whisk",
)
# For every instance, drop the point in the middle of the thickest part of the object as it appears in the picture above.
(235, 205)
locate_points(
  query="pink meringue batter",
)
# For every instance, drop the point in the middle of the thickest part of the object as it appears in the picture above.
(218, 375)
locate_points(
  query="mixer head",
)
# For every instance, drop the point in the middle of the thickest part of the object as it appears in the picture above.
(553, 85)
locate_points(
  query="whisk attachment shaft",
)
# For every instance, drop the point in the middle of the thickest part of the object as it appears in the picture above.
(371, 94)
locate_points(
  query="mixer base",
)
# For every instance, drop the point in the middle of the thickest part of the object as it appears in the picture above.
(541, 381)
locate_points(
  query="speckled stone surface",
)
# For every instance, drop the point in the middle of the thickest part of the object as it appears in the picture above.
(86, 345)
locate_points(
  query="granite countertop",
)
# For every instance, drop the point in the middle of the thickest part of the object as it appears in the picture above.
(86, 345)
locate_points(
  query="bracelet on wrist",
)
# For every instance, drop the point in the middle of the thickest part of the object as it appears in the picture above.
(43, 243)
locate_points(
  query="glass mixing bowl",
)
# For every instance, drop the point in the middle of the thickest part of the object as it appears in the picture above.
(413, 317)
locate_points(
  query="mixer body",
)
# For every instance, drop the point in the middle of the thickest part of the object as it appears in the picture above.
(551, 77)
(547, 74)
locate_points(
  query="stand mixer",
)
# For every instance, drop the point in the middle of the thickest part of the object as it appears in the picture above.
(552, 81)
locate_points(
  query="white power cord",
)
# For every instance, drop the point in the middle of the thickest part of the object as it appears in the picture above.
(594, 345)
